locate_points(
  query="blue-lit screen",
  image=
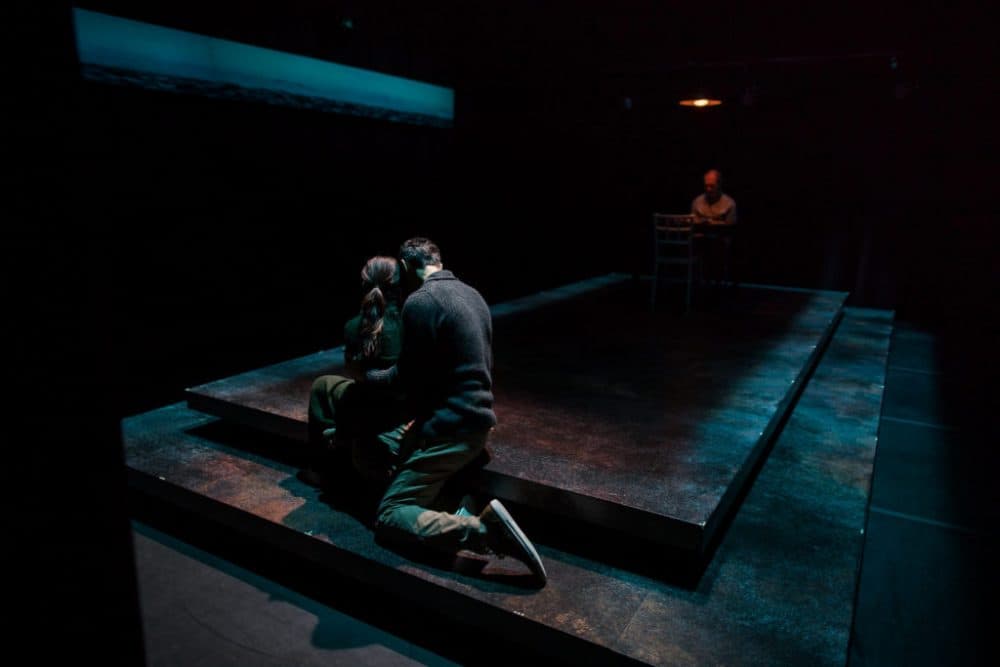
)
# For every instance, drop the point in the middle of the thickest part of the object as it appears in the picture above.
(126, 52)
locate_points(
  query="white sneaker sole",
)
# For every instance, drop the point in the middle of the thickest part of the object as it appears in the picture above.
(511, 526)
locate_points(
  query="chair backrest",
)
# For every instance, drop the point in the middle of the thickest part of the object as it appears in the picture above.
(672, 230)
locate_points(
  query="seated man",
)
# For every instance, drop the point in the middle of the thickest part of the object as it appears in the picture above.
(715, 207)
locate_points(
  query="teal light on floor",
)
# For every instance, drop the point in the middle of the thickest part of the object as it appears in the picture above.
(130, 52)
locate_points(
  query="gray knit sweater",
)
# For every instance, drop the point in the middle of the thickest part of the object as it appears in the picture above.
(445, 365)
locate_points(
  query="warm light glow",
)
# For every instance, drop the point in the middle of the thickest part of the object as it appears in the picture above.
(701, 102)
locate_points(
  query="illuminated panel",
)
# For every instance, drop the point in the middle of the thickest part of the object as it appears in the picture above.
(126, 52)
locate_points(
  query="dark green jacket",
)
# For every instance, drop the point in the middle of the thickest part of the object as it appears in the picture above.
(367, 409)
(390, 341)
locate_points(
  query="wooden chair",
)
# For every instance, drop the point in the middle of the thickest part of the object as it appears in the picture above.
(674, 246)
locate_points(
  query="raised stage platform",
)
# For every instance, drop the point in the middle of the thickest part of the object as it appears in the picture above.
(647, 424)
(779, 588)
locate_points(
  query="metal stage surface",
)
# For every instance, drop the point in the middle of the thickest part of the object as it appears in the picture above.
(645, 423)
(779, 588)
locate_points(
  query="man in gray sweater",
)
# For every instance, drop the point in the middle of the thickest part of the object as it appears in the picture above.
(445, 371)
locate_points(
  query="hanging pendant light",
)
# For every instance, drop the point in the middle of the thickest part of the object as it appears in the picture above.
(699, 96)
(703, 101)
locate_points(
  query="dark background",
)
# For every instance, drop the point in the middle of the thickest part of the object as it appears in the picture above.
(235, 231)
(157, 241)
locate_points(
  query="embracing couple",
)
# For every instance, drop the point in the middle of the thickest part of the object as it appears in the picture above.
(418, 405)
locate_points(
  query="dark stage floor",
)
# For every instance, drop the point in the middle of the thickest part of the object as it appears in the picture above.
(647, 423)
(779, 587)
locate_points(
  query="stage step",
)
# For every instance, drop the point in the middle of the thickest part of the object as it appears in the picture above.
(779, 589)
(645, 424)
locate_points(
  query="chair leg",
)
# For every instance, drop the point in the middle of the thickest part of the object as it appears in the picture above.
(687, 298)
(652, 294)
(726, 250)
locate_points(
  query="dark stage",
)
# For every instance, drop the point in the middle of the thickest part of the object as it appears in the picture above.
(184, 240)
(685, 408)
(645, 424)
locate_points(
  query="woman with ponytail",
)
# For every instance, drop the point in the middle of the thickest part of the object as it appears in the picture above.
(343, 410)
(372, 338)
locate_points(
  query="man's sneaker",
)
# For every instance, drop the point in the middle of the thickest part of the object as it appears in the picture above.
(504, 536)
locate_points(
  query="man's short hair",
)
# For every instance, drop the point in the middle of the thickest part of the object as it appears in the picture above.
(419, 252)
(718, 174)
